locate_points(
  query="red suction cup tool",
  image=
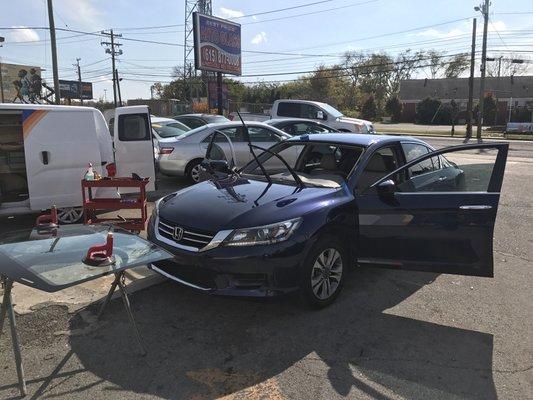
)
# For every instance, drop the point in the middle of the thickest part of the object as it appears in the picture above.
(101, 255)
(47, 222)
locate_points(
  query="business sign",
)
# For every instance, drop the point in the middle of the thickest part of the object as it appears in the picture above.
(20, 83)
(212, 90)
(70, 90)
(217, 44)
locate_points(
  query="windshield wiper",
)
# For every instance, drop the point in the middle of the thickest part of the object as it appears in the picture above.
(296, 177)
(251, 146)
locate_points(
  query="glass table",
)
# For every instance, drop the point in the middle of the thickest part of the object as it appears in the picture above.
(57, 258)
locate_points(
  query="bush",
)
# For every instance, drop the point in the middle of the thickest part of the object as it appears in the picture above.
(369, 109)
(393, 107)
(426, 111)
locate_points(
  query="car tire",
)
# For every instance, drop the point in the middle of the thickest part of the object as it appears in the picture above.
(193, 171)
(69, 215)
(323, 273)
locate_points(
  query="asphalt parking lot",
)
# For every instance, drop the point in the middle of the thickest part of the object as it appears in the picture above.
(390, 335)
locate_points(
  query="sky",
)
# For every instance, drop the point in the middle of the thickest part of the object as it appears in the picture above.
(307, 35)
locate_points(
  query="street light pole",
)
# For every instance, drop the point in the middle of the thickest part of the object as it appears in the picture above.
(484, 8)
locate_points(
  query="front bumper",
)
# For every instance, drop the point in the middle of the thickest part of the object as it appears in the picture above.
(251, 271)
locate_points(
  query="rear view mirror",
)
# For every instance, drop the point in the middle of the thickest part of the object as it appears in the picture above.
(386, 188)
(321, 115)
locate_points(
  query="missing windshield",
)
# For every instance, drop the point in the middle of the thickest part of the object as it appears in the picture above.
(317, 164)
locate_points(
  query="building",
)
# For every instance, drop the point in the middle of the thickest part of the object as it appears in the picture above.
(512, 93)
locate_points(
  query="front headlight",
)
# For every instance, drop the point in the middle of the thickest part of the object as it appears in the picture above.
(266, 234)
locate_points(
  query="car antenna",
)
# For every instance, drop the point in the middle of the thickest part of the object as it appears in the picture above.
(250, 146)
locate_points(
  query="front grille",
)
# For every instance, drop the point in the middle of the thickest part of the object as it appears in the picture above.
(191, 237)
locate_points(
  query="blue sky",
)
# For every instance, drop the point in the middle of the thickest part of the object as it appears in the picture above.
(352, 25)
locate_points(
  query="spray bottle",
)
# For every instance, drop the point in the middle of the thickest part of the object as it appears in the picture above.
(89, 175)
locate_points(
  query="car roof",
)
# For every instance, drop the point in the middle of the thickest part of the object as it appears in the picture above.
(290, 120)
(200, 115)
(357, 139)
(158, 120)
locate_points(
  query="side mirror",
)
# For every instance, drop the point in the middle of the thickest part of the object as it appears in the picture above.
(213, 166)
(386, 188)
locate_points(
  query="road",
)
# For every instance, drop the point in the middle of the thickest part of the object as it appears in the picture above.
(390, 335)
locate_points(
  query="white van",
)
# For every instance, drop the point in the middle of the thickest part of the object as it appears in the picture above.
(45, 150)
(320, 112)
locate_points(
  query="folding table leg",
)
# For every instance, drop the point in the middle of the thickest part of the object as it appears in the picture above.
(119, 277)
(109, 294)
(126, 301)
(7, 307)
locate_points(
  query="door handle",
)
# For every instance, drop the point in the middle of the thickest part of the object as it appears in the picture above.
(475, 207)
(44, 157)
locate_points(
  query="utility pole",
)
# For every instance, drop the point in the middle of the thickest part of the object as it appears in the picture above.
(484, 8)
(114, 53)
(1, 78)
(117, 80)
(105, 95)
(470, 105)
(80, 92)
(54, 49)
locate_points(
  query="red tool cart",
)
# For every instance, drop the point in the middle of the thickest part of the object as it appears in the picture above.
(137, 202)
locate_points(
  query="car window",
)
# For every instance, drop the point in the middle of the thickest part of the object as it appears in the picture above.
(262, 135)
(413, 151)
(458, 171)
(191, 122)
(287, 109)
(311, 112)
(235, 134)
(381, 163)
(180, 126)
(170, 130)
(133, 127)
(112, 126)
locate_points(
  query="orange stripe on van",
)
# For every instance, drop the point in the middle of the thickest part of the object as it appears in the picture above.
(30, 118)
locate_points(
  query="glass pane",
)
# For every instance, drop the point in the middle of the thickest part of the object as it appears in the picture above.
(382, 162)
(133, 127)
(57, 257)
(456, 171)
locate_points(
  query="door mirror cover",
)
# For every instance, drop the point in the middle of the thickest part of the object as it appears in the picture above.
(212, 166)
(386, 188)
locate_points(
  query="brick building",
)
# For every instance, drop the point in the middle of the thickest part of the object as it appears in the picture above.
(510, 92)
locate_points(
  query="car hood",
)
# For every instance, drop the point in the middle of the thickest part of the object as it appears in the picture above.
(355, 121)
(244, 203)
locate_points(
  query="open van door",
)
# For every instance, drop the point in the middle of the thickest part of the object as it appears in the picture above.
(134, 149)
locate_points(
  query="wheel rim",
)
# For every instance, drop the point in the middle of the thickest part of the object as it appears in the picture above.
(326, 273)
(69, 215)
(195, 173)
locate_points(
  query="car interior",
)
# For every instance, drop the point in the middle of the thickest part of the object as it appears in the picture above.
(383, 162)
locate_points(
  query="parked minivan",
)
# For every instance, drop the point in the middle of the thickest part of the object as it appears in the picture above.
(320, 112)
(45, 151)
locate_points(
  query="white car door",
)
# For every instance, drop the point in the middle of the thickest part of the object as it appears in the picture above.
(134, 148)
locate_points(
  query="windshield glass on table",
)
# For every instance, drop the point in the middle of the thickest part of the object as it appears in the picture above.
(317, 164)
(332, 111)
(170, 130)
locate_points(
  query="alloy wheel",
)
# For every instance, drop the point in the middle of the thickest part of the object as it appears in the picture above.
(195, 173)
(69, 215)
(326, 273)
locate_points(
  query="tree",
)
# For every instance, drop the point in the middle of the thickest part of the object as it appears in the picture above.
(457, 66)
(434, 62)
(369, 108)
(426, 111)
(393, 107)
(490, 109)
(508, 67)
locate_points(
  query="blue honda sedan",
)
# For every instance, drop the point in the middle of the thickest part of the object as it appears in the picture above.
(300, 215)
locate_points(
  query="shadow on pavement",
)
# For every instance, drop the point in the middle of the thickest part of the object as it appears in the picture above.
(203, 347)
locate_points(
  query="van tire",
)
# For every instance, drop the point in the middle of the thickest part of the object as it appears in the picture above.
(69, 215)
(191, 171)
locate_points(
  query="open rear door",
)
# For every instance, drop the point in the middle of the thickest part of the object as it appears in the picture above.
(436, 213)
(134, 149)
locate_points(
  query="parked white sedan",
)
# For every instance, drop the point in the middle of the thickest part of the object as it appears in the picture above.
(183, 155)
